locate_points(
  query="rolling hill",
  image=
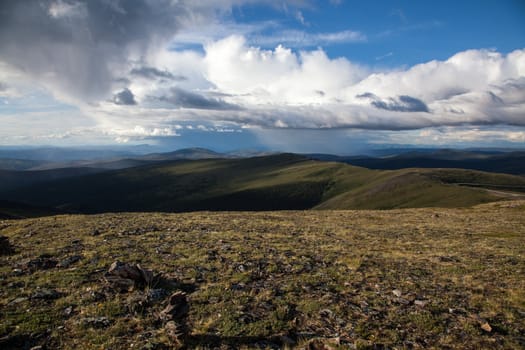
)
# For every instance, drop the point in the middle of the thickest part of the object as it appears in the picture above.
(498, 162)
(14, 179)
(276, 182)
(13, 210)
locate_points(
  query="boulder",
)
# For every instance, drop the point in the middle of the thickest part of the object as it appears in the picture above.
(177, 308)
(5, 246)
(125, 276)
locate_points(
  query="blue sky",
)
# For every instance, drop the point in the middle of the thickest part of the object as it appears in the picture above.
(328, 76)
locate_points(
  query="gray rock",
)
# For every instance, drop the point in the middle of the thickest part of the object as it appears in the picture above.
(420, 303)
(69, 261)
(155, 295)
(46, 294)
(177, 308)
(96, 322)
(327, 313)
(17, 300)
(5, 246)
(43, 262)
(125, 277)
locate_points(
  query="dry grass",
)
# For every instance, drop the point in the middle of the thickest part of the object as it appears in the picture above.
(417, 278)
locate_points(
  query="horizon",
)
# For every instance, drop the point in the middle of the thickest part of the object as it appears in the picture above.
(337, 77)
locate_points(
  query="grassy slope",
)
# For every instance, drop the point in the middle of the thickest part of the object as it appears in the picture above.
(11, 210)
(13, 179)
(261, 183)
(253, 277)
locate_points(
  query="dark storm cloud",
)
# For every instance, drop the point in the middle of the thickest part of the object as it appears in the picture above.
(78, 46)
(367, 95)
(124, 97)
(154, 73)
(402, 103)
(187, 99)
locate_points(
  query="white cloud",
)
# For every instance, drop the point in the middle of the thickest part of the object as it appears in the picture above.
(460, 136)
(303, 39)
(61, 9)
(235, 78)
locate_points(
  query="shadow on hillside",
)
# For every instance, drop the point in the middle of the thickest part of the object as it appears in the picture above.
(212, 340)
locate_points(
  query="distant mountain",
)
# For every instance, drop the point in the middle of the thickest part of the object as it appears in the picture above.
(19, 164)
(186, 153)
(114, 163)
(58, 154)
(491, 161)
(284, 181)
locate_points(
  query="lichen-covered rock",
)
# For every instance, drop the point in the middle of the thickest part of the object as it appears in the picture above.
(124, 277)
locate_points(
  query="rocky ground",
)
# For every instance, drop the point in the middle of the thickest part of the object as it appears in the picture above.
(404, 279)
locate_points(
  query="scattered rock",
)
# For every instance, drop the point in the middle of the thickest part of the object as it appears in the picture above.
(326, 313)
(17, 284)
(397, 293)
(177, 308)
(402, 301)
(95, 232)
(420, 303)
(287, 340)
(486, 327)
(5, 246)
(17, 300)
(155, 295)
(124, 277)
(237, 286)
(43, 262)
(17, 272)
(68, 311)
(175, 333)
(139, 231)
(46, 294)
(96, 322)
(69, 261)
(448, 259)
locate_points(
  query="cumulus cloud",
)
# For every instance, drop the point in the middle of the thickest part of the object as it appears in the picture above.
(103, 56)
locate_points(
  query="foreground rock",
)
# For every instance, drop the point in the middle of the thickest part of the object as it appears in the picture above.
(175, 316)
(5, 246)
(124, 277)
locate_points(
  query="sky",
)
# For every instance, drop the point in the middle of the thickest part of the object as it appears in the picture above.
(337, 76)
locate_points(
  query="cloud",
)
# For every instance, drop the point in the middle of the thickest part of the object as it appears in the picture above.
(308, 90)
(186, 99)
(124, 97)
(76, 48)
(154, 73)
(402, 103)
(79, 48)
(302, 39)
(102, 56)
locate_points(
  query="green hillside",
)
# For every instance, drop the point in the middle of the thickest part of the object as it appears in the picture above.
(274, 182)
